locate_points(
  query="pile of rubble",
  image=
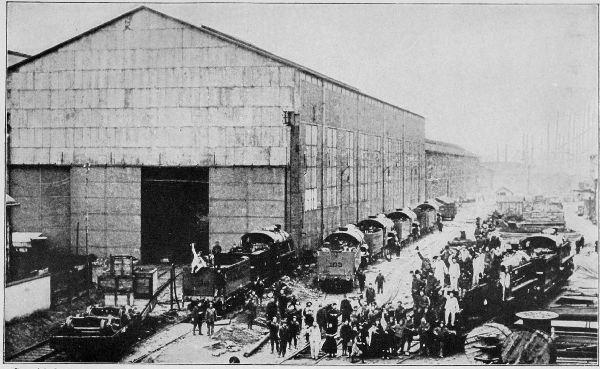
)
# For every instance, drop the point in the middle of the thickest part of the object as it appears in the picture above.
(234, 337)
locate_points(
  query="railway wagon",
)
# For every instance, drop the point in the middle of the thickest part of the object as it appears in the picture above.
(427, 215)
(100, 333)
(447, 207)
(228, 281)
(377, 230)
(531, 283)
(553, 261)
(271, 252)
(339, 258)
(403, 220)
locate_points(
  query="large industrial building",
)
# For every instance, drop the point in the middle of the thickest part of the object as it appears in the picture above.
(147, 133)
(451, 171)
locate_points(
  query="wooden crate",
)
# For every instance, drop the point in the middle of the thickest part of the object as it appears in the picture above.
(110, 299)
(111, 283)
(125, 284)
(118, 299)
(145, 282)
(121, 265)
(107, 283)
(123, 299)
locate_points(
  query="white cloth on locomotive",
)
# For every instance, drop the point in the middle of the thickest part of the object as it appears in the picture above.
(198, 262)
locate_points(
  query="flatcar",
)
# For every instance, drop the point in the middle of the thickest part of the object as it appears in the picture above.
(227, 281)
(339, 258)
(271, 252)
(427, 215)
(99, 333)
(403, 220)
(378, 230)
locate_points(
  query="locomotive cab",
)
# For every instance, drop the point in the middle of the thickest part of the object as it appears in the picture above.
(271, 251)
(377, 230)
(427, 215)
(339, 258)
(403, 219)
(553, 260)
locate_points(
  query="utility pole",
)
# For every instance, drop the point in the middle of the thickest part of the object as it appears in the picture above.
(87, 224)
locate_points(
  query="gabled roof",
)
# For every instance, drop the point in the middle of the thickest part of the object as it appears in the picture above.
(447, 148)
(214, 33)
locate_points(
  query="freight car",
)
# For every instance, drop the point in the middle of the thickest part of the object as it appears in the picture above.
(339, 258)
(267, 254)
(378, 230)
(271, 252)
(427, 216)
(403, 220)
(226, 282)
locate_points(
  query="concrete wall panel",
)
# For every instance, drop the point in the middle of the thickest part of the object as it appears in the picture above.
(231, 213)
(43, 193)
(142, 79)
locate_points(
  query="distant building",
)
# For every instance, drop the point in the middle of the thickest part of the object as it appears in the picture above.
(451, 171)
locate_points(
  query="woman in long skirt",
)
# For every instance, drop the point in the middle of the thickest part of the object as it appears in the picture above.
(330, 346)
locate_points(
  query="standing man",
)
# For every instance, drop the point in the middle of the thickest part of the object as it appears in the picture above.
(454, 271)
(360, 275)
(416, 286)
(216, 251)
(259, 289)
(271, 309)
(370, 294)
(322, 315)
(274, 334)
(197, 319)
(210, 317)
(314, 339)
(284, 338)
(345, 308)
(308, 315)
(251, 312)
(439, 270)
(379, 280)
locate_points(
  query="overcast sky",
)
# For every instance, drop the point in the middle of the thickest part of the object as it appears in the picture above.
(482, 75)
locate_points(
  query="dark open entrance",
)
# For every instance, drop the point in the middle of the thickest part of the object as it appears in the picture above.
(174, 213)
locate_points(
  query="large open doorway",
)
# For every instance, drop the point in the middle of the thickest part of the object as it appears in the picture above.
(174, 213)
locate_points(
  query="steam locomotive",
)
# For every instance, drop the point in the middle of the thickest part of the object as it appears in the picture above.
(550, 264)
(263, 254)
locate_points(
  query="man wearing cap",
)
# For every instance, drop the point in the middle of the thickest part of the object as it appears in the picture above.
(416, 286)
(379, 280)
(322, 316)
(370, 294)
(360, 276)
(425, 262)
(271, 309)
(345, 308)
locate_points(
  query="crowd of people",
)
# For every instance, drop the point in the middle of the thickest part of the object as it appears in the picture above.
(367, 329)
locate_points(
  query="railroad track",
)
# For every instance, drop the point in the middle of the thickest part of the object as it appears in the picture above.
(38, 352)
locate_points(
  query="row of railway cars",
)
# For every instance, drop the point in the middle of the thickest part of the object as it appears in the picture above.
(352, 247)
